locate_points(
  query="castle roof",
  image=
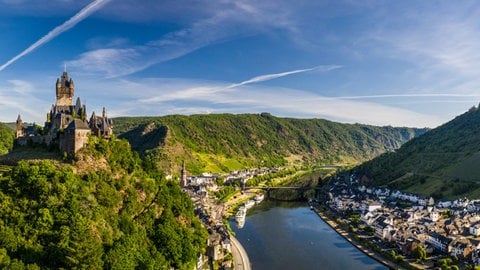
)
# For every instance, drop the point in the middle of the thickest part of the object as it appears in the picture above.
(77, 124)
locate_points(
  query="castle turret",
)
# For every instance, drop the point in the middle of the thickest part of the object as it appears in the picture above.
(19, 131)
(65, 90)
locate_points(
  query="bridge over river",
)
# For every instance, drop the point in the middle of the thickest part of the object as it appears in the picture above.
(281, 191)
(284, 192)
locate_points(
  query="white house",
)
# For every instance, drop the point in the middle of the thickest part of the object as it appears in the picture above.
(475, 230)
(434, 216)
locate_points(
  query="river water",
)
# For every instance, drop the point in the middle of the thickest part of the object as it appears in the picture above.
(291, 236)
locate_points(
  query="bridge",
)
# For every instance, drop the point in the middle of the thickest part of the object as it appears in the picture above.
(277, 187)
(270, 191)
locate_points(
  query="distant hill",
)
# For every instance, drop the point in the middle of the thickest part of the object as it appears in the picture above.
(225, 142)
(443, 162)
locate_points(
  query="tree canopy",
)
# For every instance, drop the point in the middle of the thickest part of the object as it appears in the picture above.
(120, 216)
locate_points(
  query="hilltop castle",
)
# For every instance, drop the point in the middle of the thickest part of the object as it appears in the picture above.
(66, 125)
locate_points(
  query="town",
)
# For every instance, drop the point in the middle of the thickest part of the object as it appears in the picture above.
(417, 227)
(222, 250)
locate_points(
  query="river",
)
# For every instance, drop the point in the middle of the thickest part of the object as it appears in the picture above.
(291, 236)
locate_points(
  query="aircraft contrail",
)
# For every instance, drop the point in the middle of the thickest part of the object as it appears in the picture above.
(268, 77)
(80, 16)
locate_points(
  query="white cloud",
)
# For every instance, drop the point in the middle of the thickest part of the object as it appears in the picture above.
(409, 96)
(181, 96)
(444, 38)
(232, 20)
(16, 98)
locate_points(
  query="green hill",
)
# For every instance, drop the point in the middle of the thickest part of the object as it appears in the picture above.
(225, 142)
(6, 138)
(108, 210)
(443, 162)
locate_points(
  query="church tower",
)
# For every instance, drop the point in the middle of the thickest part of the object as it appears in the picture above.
(65, 90)
(183, 180)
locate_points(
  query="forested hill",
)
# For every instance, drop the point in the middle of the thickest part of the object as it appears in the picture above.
(108, 210)
(6, 138)
(224, 142)
(444, 162)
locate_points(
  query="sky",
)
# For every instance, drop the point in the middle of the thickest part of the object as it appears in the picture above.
(397, 63)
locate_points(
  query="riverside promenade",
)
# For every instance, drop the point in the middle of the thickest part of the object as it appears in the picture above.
(240, 257)
(355, 243)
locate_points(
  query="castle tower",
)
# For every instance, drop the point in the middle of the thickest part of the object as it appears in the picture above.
(19, 132)
(65, 90)
(183, 180)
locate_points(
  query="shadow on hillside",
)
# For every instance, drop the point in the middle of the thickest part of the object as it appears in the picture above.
(145, 137)
(28, 153)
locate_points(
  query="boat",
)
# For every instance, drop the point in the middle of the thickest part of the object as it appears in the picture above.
(240, 223)
(249, 204)
(240, 217)
(241, 213)
(259, 198)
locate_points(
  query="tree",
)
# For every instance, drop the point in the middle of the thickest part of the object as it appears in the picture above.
(420, 253)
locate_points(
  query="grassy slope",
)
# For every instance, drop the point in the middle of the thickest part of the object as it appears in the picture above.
(443, 162)
(225, 142)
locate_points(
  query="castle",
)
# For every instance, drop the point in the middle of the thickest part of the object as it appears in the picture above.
(66, 126)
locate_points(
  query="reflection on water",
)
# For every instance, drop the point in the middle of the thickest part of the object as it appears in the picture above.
(291, 236)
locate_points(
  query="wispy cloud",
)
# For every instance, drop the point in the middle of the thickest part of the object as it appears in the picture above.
(80, 16)
(163, 96)
(440, 39)
(407, 96)
(16, 98)
(209, 88)
(230, 20)
(268, 77)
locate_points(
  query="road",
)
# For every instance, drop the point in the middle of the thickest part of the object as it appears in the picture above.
(240, 257)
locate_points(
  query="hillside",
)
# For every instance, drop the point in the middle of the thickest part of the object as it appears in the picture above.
(443, 162)
(6, 138)
(108, 210)
(225, 142)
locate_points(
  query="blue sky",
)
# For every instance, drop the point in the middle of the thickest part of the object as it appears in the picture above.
(399, 63)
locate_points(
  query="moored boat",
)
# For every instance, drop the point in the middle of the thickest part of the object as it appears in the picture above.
(259, 197)
(249, 204)
(240, 217)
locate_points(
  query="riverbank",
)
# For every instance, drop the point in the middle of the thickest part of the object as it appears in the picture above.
(379, 258)
(240, 256)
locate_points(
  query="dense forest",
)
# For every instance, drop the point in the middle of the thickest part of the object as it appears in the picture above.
(6, 139)
(226, 142)
(110, 210)
(443, 162)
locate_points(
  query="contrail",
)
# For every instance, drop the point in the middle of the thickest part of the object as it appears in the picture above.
(406, 95)
(268, 77)
(80, 16)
